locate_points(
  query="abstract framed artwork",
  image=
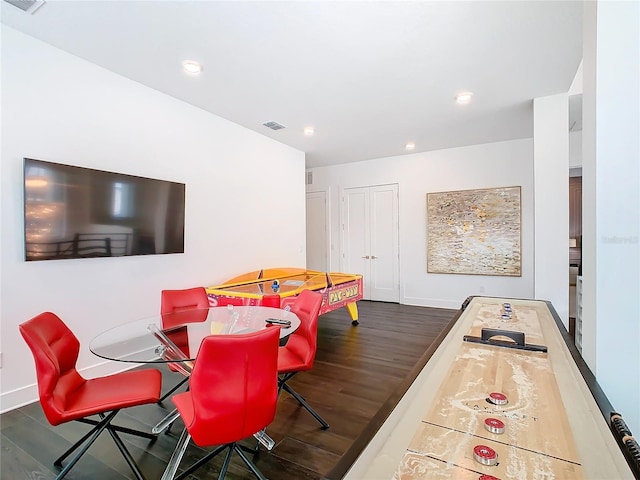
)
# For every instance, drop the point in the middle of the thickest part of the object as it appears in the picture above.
(475, 232)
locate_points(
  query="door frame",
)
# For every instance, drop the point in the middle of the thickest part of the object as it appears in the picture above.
(342, 218)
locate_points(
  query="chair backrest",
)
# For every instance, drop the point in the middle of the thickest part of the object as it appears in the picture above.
(178, 307)
(234, 387)
(55, 350)
(183, 306)
(173, 301)
(270, 300)
(304, 341)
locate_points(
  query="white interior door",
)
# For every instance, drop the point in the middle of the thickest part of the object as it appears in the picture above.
(317, 232)
(385, 283)
(355, 231)
(370, 229)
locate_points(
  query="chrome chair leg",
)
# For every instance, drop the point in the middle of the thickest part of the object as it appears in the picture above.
(264, 439)
(166, 421)
(176, 456)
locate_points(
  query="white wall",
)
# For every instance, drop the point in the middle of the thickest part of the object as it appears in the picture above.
(575, 149)
(480, 166)
(611, 202)
(240, 216)
(551, 185)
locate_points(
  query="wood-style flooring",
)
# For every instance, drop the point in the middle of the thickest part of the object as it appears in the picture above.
(355, 377)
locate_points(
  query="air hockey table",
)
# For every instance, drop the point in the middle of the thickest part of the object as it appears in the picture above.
(278, 287)
(502, 395)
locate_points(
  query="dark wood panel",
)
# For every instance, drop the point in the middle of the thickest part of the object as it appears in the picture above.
(575, 219)
(356, 372)
(23, 464)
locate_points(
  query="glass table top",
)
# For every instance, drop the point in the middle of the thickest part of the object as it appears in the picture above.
(148, 340)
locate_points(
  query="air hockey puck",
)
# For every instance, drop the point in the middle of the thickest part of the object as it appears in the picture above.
(497, 398)
(494, 425)
(485, 455)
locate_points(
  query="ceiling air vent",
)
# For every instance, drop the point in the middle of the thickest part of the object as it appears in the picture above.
(29, 6)
(273, 125)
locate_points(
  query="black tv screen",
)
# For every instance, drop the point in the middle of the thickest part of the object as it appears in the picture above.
(77, 212)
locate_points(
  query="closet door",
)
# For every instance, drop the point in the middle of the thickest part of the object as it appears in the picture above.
(370, 239)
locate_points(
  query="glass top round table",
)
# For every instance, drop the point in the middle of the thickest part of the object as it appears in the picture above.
(159, 338)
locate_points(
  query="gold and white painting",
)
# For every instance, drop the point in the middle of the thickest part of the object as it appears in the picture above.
(474, 232)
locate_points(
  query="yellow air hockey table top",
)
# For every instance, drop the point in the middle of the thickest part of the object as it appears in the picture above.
(279, 286)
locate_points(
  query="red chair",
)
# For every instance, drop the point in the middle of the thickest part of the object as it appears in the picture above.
(299, 353)
(270, 300)
(65, 395)
(182, 301)
(233, 394)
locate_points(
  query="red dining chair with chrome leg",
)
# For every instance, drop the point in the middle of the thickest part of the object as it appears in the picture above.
(192, 300)
(65, 395)
(233, 395)
(299, 353)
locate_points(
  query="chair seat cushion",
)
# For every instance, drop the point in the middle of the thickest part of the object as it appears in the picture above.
(289, 361)
(113, 392)
(184, 404)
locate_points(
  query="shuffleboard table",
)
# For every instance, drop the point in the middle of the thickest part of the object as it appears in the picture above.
(504, 395)
(278, 287)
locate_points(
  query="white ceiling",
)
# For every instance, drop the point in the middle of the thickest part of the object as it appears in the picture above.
(369, 76)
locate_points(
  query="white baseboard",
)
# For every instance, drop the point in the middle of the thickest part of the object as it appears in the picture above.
(18, 398)
(431, 302)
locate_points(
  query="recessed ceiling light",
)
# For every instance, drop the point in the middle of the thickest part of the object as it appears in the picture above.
(309, 131)
(192, 67)
(410, 146)
(464, 97)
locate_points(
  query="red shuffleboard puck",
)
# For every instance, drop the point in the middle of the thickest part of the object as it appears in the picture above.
(494, 425)
(487, 477)
(497, 398)
(485, 455)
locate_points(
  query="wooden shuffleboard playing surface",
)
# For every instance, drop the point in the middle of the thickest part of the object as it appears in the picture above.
(482, 409)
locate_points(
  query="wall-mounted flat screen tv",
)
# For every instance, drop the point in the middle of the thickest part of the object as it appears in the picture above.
(77, 212)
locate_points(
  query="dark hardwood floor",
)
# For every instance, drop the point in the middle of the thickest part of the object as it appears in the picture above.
(356, 372)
